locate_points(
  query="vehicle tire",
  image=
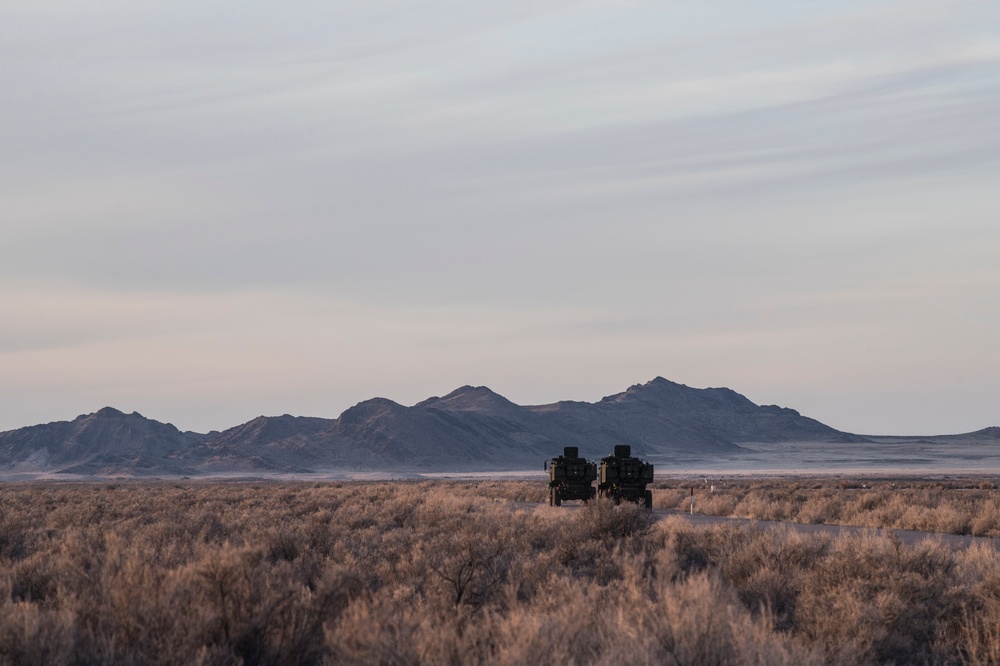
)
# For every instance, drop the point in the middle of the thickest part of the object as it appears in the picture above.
(558, 497)
(649, 499)
(593, 493)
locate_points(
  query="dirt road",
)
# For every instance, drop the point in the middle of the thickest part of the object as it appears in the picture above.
(908, 537)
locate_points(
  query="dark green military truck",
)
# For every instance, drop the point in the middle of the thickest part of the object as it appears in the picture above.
(571, 477)
(622, 477)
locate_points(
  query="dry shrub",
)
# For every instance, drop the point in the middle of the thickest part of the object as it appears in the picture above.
(32, 635)
(970, 507)
(699, 619)
(763, 507)
(977, 630)
(602, 519)
(466, 572)
(873, 599)
(820, 509)
(986, 520)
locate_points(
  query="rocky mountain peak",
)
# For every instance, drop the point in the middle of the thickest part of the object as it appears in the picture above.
(667, 394)
(264, 430)
(369, 409)
(470, 399)
(106, 413)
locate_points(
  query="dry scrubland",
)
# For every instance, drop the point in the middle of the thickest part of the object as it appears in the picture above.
(954, 507)
(449, 572)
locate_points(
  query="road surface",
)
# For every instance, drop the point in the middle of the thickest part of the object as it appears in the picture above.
(908, 537)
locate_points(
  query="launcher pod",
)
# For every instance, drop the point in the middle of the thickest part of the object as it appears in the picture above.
(623, 477)
(571, 477)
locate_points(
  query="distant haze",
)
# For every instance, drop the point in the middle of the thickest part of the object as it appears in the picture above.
(211, 211)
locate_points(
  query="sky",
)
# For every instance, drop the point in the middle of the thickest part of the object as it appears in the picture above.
(214, 210)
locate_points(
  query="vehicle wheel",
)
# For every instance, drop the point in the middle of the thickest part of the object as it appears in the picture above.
(558, 498)
(593, 493)
(649, 499)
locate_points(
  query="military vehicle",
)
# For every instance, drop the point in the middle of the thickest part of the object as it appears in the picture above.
(571, 477)
(622, 477)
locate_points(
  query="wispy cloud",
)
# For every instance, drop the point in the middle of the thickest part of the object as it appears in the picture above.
(688, 188)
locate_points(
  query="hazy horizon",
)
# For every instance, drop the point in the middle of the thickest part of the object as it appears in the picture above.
(216, 211)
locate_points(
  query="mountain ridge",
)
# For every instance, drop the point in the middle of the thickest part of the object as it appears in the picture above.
(469, 429)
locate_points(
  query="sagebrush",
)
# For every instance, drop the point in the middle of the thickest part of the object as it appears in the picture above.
(968, 507)
(459, 573)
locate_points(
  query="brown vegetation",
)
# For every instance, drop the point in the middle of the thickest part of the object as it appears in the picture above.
(448, 572)
(969, 507)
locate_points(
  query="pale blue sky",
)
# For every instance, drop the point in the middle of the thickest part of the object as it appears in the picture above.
(213, 210)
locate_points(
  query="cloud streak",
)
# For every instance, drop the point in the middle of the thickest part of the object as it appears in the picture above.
(795, 201)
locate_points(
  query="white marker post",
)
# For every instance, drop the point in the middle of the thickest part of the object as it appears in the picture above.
(692, 500)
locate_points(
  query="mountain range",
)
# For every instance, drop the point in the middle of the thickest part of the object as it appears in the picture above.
(470, 429)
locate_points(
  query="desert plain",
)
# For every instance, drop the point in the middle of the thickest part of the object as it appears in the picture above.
(481, 571)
